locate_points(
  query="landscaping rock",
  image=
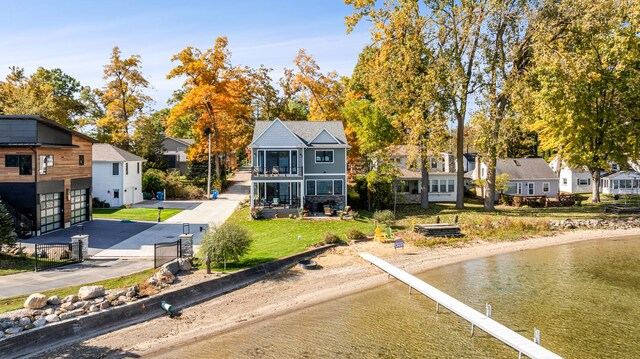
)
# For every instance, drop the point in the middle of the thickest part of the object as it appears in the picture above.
(122, 298)
(104, 305)
(39, 322)
(172, 266)
(78, 305)
(24, 321)
(91, 291)
(152, 281)
(55, 300)
(35, 313)
(94, 308)
(164, 275)
(67, 306)
(70, 299)
(28, 326)
(72, 314)
(99, 300)
(4, 324)
(13, 330)
(131, 295)
(49, 311)
(185, 264)
(60, 311)
(116, 303)
(35, 301)
(111, 298)
(1, 334)
(52, 318)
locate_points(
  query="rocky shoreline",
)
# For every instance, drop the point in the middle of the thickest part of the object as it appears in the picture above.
(597, 223)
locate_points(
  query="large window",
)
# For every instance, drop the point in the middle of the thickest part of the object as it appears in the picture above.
(434, 186)
(337, 187)
(625, 184)
(311, 188)
(442, 186)
(23, 162)
(450, 185)
(116, 169)
(324, 156)
(324, 187)
(584, 182)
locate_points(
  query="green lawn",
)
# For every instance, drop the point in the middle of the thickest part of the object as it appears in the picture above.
(10, 264)
(13, 303)
(134, 214)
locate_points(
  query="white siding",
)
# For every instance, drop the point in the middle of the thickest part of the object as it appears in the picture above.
(104, 182)
(132, 183)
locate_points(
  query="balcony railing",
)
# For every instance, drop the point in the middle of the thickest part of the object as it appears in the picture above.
(281, 201)
(276, 171)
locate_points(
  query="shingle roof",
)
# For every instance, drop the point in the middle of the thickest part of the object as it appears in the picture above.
(185, 141)
(305, 130)
(622, 173)
(525, 168)
(103, 152)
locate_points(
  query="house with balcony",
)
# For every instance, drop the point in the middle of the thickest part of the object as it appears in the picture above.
(298, 164)
(46, 175)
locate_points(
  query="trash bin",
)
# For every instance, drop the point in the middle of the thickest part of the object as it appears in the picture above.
(160, 196)
(214, 194)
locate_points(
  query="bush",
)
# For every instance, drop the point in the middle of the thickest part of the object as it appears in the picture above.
(517, 201)
(97, 203)
(153, 181)
(506, 199)
(385, 217)
(355, 235)
(7, 234)
(228, 242)
(331, 238)
(256, 213)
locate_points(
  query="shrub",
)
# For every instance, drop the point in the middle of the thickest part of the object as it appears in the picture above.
(228, 242)
(385, 217)
(331, 238)
(7, 234)
(517, 201)
(506, 199)
(256, 213)
(153, 181)
(355, 235)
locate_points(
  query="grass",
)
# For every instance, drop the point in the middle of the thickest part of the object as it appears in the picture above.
(134, 214)
(13, 303)
(10, 264)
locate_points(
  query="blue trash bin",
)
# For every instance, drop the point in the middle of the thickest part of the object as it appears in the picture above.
(160, 196)
(214, 194)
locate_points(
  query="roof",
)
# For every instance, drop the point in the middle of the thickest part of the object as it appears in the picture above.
(526, 168)
(103, 152)
(49, 122)
(306, 131)
(633, 174)
(185, 141)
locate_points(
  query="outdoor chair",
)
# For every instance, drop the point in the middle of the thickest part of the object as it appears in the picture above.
(328, 211)
(276, 201)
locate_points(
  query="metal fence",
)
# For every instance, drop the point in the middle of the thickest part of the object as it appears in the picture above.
(50, 255)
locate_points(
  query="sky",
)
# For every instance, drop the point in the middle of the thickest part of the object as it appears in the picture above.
(78, 36)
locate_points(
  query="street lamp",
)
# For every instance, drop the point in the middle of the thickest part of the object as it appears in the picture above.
(208, 132)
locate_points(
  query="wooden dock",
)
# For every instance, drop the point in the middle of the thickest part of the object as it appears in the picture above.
(477, 319)
(438, 230)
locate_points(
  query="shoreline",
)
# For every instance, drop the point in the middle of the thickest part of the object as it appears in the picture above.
(343, 273)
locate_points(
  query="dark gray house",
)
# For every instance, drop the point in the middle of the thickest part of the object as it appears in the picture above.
(174, 153)
(298, 164)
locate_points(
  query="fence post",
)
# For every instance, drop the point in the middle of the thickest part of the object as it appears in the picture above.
(36, 254)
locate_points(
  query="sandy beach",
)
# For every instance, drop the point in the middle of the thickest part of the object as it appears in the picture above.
(343, 273)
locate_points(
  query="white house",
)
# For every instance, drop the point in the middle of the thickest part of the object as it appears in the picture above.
(117, 175)
(527, 176)
(575, 180)
(622, 182)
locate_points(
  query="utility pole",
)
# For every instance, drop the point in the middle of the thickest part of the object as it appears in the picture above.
(209, 165)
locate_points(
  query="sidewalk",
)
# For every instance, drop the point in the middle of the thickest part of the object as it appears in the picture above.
(89, 271)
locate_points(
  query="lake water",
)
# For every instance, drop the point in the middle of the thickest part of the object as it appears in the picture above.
(584, 297)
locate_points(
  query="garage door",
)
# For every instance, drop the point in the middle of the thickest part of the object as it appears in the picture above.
(79, 206)
(50, 212)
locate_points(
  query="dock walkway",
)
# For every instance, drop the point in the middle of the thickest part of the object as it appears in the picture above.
(490, 326)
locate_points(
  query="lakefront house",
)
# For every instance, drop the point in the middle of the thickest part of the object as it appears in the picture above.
(298, 165)
(527, 177)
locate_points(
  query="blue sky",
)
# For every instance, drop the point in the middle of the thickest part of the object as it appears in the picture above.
(77, 36)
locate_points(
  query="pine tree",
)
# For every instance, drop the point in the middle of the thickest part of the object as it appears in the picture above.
(7, 234)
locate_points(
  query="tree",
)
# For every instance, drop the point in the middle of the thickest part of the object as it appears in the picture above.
(7, 234)
(148, 137)
(583, 90)
(228, 242)
(502, 182)
(123, 99)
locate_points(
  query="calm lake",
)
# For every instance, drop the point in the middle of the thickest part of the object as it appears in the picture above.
(584, 297)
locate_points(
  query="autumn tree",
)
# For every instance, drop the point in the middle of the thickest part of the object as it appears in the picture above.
(122, 98)
(217, 97)
(583, 90)
(148, 137)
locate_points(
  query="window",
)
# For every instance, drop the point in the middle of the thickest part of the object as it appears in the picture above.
(43, 165)
(519, 188)
(443, 186)
(530, 188)
(337, 187)
(625, 184)
(434, 163)
(116, 169)
(23, 162)
(564, 181)
(512, 188)
(81, 160)
(434, 186)
(615, 184)
(545, 187)
(324, 187)
(311, 188)
(482, 172)
(451, 186)
(584, 182)
(126, 168)
(138, 167)
(116, 193)
(324, 156)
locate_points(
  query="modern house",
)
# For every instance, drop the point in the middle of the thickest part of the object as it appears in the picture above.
(298, 164)
(46, 174)
(174, 153)
(117, 175)
(621, 182)
(408, 185)
(527, 176)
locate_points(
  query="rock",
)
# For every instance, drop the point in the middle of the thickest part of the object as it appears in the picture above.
(67, 306)
(131, 295)
(70, 299)
(116, 303)
(78, 305)
(1, 334)
(111, 298)
(55, 300)
(185, 264)
(24, 321)
(39, 322)
(172, 266)
(164, 275)
(13, 330)
(71, 314)
(35, 301)
(35, 313)
(52, 318)
(152, 281)
(94, 308)
(99, 300)
(122, 298)
(91, 291)
(4, 324)
(28, 326)
(134, 289)
(104, 305)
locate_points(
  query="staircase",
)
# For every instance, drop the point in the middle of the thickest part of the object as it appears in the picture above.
(22, 224)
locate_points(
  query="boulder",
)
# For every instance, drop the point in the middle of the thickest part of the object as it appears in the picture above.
(1, 334)
(52, 318)
(35, 313)
(164, 275)
(185, 264)
(94, 308)
(72, 314)
(49, 311)
(13, 330)
(172, 266)
(104, 305)
(78, 305)
(39, 322)
(67, 306)
(91, 291)
(24, 321)
(70, 299)
(35, 301)
(55, 300)
(116, 303)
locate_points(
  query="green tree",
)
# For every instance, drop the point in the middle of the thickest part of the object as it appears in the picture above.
(228, 242)
(7, 233)
(147, 139)
(582, 92)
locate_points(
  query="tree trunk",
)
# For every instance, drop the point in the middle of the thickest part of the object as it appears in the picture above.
(217, 164)
(424, 195)
(490, 193)
(460, 165)
(595, 186)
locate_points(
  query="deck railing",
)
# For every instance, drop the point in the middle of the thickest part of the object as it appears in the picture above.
(276, 171)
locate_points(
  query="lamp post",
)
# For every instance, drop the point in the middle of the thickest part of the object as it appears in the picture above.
(159, 212)
(208, 132)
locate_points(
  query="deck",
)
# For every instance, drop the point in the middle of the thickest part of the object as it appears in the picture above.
(438, 230)
(490, 326)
